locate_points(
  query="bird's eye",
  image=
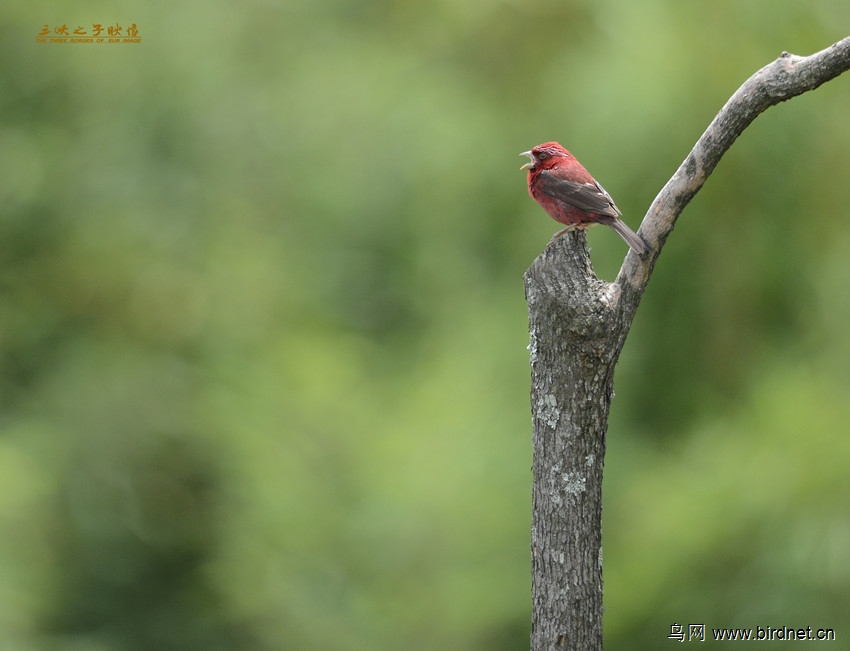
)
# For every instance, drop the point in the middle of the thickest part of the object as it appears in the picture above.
(542, 155)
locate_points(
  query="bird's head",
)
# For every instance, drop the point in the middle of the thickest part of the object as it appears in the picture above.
(544, 156)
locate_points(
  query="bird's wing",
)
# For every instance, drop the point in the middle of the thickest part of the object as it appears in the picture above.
(586, 196)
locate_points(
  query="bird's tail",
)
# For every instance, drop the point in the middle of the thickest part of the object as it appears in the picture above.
(634, 240)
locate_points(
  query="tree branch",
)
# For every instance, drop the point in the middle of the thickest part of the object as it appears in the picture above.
(786, 77)
(578, 325)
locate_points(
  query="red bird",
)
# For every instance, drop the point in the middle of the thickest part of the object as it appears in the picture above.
(567, 191)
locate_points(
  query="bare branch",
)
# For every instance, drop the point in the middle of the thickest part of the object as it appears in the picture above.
(578, 325)
(786, 77)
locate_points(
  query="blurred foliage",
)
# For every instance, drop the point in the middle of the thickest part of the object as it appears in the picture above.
(263, 378)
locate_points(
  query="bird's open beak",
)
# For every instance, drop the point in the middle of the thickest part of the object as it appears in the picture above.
(530, 163)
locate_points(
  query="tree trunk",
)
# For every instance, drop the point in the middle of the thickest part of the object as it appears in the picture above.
(576, 338)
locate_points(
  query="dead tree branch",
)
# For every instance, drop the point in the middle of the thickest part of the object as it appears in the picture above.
(578, 325)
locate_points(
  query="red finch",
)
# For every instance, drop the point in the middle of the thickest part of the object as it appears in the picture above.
(567, 191)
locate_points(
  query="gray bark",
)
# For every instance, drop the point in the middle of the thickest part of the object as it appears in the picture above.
(578, 325)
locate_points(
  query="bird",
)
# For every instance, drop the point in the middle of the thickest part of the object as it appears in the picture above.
(571, 196)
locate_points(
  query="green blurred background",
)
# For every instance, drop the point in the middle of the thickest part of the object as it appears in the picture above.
(263, 366)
